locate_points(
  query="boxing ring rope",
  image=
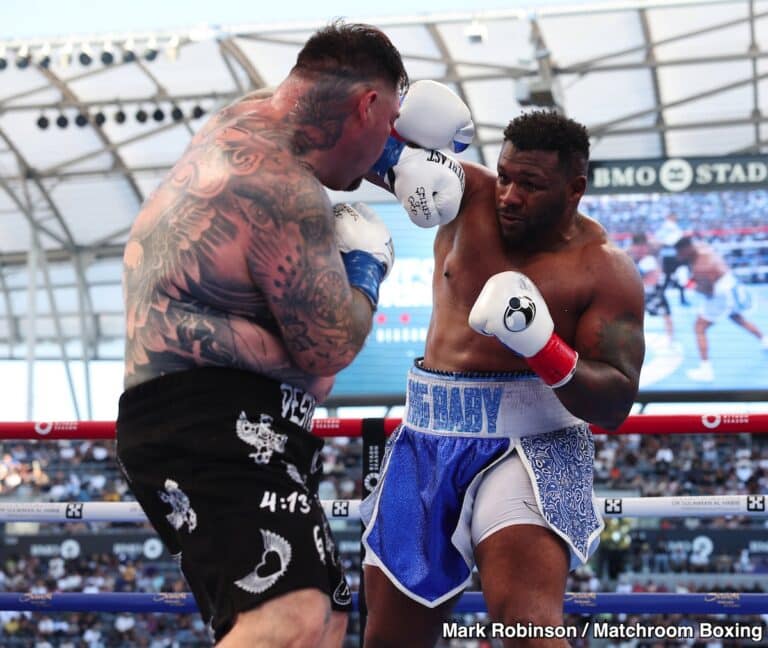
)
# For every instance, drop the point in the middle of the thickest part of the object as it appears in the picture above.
(574, 603)
(336, 427)
(703, 506)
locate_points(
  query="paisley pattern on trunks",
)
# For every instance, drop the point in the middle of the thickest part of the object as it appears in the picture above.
(562, 463)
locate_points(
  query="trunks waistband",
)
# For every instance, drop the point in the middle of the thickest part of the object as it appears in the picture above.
(513, 405)
(209, 388)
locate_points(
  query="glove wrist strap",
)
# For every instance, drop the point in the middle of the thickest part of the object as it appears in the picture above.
(365, 273)
(555, 363)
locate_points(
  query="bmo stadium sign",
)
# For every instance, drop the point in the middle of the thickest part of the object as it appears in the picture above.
(674, 175)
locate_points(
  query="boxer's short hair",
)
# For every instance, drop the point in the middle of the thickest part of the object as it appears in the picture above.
(548, 130)
(355, 51)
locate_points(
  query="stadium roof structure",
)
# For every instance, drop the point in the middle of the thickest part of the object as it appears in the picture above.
(650, 79)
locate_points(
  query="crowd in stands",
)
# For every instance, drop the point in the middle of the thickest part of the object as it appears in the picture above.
(650, 465)
(92, 574)
(60, 472)
(646, 465)
(655, 465)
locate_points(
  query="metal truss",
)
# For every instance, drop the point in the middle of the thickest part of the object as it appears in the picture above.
(53, 241)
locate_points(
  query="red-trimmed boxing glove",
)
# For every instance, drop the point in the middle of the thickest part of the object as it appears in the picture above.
(511, 308)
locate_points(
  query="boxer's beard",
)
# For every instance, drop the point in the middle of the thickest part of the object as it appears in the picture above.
(530, 225)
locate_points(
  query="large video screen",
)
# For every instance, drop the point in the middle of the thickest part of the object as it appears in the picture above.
(400, 323)
(703, 333)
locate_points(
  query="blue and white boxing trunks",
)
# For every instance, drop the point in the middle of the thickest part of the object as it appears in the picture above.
(455, 428)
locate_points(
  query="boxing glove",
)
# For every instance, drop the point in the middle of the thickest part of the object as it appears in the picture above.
(511, 308)
(366, 247)
(432, 116)
(429, 186)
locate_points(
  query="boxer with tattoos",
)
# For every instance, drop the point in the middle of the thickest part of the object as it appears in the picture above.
(246, 291)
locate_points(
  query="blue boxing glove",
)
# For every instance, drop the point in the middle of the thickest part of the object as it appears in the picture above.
(366, 247)
(432, 116)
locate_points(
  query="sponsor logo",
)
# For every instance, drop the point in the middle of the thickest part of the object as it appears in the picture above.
(70, 549)
(584, 599)
(152, 548)
(371, 480)
(678, 174)
(519, 314)
(340, 508)
(712, 421)
(756, 503)
(74, 511)
(172, 599)
(725, 599)
(43, 428)
(38, 600)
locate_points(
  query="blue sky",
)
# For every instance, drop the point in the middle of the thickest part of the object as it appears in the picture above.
(30, 18)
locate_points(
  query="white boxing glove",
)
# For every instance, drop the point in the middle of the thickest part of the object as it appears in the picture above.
(366, 247)
(429, 185)
(433, 116)
(511, 308)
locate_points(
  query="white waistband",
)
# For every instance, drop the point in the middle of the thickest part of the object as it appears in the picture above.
(489, 407)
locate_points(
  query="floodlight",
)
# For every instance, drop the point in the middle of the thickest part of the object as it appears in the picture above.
(107, 54)
(476, 32)
(44, 56)
(150, 54)
(129, 51)
(22, 57)
(86, 55)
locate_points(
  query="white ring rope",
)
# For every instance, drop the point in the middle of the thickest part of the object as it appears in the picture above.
(670, 507)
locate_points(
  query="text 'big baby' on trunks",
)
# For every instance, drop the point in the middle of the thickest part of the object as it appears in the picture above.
(459, 408)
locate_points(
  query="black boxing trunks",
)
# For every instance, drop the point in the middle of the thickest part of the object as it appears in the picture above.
(226, 469)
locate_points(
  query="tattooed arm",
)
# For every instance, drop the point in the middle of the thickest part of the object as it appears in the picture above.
(610, 341)
(294, 260)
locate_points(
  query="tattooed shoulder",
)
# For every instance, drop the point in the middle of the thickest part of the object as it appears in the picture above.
(291, 202)
(619, 340)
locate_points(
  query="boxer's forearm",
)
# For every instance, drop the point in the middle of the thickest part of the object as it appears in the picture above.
(598, 393)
